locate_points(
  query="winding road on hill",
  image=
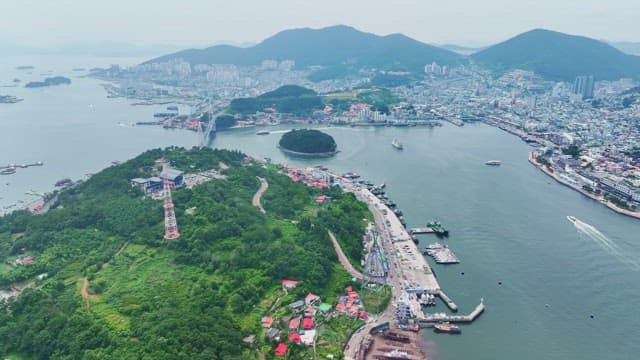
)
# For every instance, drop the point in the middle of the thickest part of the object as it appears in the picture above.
(264, 185)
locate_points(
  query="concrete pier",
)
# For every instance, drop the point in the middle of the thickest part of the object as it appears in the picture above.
(428, 319)
(447, 300)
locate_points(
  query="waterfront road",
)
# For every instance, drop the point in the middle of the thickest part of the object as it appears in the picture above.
(393, 280)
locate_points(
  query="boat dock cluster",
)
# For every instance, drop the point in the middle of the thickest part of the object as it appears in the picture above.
(441, 254)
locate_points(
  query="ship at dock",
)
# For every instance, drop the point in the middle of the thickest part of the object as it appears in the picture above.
(438, 228)
(447, 328)
(397, 144)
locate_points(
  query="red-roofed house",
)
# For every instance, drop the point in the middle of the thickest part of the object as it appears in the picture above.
(267, 321)
(294, 337)
(311, 298)
(281, 349)
(340, 307)
(363, 315)
(289, 284)
(307, 323)
(310, 312)
(294, 324)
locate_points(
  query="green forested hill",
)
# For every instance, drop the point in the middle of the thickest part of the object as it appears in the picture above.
(559, 56)
(335, 47)
(291, 99)
(193, 298)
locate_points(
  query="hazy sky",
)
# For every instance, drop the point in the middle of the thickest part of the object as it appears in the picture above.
(50, 23)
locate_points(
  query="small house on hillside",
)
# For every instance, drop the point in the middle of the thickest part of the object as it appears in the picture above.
(281, 350)
(310, 299)
(294, 324)
(289, 284)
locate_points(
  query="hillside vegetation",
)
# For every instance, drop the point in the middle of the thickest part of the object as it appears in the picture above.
(147, 298)
(290, 99)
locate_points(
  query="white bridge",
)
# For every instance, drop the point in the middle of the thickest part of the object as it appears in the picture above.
(208, 132)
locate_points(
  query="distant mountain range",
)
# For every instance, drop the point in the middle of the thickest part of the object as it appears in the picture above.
(336, 46)
(559, 56)
(342, 50)
(629, 47)
(462, 50)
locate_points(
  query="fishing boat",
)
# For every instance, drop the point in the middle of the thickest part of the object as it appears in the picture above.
(493, 163)
(397, 144)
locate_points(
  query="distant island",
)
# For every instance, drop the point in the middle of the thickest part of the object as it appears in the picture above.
(291, 99)
(308, 143)
(25, 67)
(52, 81)
(7, 99)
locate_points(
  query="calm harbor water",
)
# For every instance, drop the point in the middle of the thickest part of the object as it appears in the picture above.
(541, 278)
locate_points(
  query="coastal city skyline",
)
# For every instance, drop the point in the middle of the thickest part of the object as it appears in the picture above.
(197, 23)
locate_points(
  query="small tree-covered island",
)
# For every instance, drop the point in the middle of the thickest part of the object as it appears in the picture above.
(308, 143)
(95, 278)
(52, 81)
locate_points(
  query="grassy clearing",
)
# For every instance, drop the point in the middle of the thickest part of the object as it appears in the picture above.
(375, 300)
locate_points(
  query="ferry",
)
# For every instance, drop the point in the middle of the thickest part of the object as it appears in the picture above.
(572, 219)
(446, 327)
(263, 132)
(493, 162)
(397, 144)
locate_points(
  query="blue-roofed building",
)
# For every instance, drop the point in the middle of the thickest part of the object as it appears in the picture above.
(175, 177)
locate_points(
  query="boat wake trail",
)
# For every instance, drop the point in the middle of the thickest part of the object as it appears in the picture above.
(590, 232)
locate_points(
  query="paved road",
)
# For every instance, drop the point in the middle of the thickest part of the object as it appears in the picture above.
(343, 258)
(256, 197)
(393, 280)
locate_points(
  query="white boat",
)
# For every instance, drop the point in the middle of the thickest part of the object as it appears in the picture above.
(397, 144)
(493, 162)
(572, 219)
(262, 132)
(397, 354)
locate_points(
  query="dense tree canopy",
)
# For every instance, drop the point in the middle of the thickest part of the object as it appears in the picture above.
(308, 141)
(290, 99)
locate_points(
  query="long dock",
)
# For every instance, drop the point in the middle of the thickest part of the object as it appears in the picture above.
(438, 317)
(22, 166)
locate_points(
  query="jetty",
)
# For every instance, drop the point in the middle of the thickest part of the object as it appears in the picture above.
(22, 166)
(428, 319)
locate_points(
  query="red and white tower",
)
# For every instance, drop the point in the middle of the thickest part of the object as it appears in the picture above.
(170, 222)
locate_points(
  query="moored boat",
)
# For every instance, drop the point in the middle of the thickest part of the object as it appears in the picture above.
(446, 327)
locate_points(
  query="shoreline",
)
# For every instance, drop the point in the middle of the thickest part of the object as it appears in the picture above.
(600, 199)
(308, 155)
